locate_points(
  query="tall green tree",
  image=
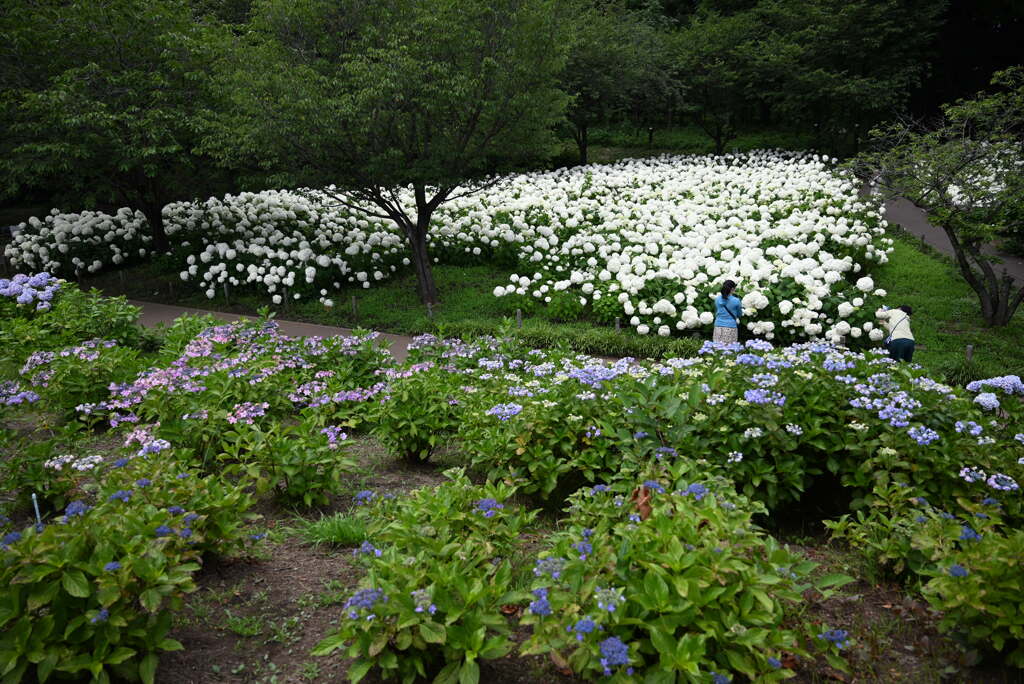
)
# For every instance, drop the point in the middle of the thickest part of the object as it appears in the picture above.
(841, 66)
(619, 61)
(101, 101)
(389, 99)
(966, 171)
(714, 56)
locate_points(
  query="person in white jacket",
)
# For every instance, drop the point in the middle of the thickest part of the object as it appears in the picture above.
(900, 341)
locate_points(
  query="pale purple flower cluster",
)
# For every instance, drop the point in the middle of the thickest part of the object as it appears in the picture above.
(489, 507)
(11, 394)
(334, 434)
(505, 411)
(39, 288)
(247, 411)
(1010, 384)
(763, 396)
(987, 401)
(609, 598)
(923, 435)
(971, 474)
(968, 426)
(1002, 482)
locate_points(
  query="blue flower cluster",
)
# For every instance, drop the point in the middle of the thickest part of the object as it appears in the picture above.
(549, 566)
(39, 288)
(505, 411)
(957, 570)
(489, 507)
(583, 627)
(422, 599)
(923, 435)
(839, 637)
(541, 606)
(763, 396)
(614, 653)
(364, 600)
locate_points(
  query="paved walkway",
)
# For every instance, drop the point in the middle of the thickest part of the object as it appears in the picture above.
(915, 221)
(154, 314)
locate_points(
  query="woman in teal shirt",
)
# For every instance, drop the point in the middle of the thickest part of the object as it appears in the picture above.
(728, 310)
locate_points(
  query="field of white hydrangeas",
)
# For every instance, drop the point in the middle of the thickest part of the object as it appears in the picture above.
(647, 240)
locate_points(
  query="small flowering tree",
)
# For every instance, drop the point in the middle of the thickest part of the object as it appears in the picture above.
(401, 107)
(966, 171)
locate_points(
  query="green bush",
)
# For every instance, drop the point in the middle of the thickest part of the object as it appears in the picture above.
(663, 578)
(91, 594)
(297, 463)
(438, 574)
(418, 412)
(79, 375)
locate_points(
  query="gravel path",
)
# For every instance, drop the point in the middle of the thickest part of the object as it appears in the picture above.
(154, 314)
(915, 221)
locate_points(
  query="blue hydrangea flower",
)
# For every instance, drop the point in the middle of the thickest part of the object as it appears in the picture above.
(163, 531)
(364, 600)
(609, 599)
(78, 508)
(838, 637)
(653, 484)
(717, 678)
(541, 606)
(957, 570)
(124, 495)
(101, 616)
(614, 653)
(364, 497)
(585, 548)
(505, 411)
(143, 482)
(368, 548)
(775, 662)
(582, 628)
(488, 507)
(968, 534)
(549, 566)
(176, 510)
(421, 597)
(112, 566)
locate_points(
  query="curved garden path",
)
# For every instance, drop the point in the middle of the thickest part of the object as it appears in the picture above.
(154, 314)
(899, 211)
(915, 221)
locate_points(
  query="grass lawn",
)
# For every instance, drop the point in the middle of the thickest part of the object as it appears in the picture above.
(947, 315)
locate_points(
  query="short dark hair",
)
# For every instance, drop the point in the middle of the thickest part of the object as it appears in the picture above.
(905, 308)
(727, 287)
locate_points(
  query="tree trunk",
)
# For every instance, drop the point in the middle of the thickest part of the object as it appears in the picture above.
(155, 216)
(581, 143)
(421, 258)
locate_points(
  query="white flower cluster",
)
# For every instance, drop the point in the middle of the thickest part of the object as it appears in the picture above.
(660, 237)
(79, 463)
(648, 240)
(84, 242)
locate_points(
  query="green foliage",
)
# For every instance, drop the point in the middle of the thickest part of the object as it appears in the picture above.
(299, 464)
(81, 374)
(965, 172)
(554, 446)
(341, 528)
(111, 124)
(986, 605)
(438, 575)
(417, 415)
(68, 611)
(75, 316)
(707, 590)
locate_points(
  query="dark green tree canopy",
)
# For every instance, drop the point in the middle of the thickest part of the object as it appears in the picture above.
(378, 98)
(103, 98)
(967, 171)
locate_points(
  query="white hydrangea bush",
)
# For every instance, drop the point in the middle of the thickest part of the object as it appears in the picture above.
(649, 241)
(86, 242)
